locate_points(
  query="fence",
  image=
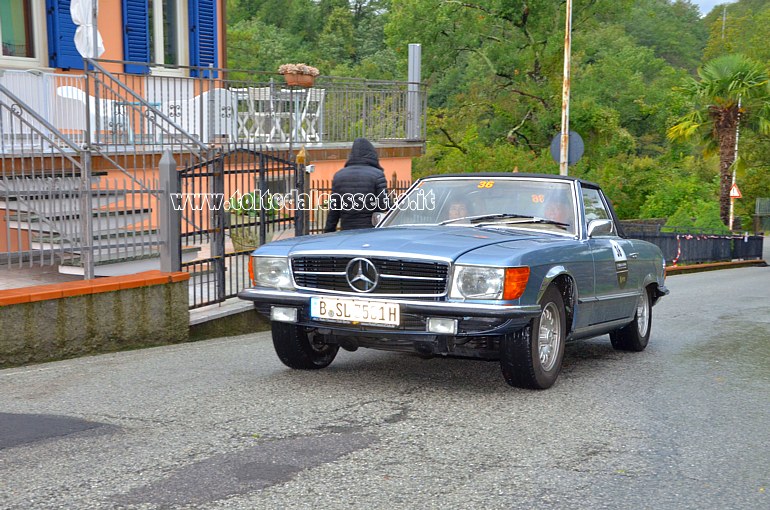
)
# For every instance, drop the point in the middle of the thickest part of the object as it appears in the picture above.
(39, 192)
(691, 246)
(115, 109)
(56, 99)
(80, 179)
(225, 210)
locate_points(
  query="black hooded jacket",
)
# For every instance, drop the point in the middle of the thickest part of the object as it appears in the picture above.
(358, 190)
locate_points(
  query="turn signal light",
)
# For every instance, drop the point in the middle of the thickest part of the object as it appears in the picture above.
(251, 270)
(515, 282)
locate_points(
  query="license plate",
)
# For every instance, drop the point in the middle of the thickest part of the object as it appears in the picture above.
(355, 311)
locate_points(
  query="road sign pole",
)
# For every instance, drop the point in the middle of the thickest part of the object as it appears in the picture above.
(563, 160)
(735, 163)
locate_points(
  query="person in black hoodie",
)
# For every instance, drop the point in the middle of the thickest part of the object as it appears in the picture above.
(358, 189)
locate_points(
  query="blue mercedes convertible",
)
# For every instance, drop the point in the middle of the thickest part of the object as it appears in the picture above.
(504, 267)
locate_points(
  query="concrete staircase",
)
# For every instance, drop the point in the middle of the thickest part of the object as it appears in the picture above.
(43, 215)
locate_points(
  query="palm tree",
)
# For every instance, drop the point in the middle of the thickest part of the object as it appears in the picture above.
(732, 90)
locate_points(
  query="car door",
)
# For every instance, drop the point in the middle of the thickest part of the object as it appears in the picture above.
(615, 289)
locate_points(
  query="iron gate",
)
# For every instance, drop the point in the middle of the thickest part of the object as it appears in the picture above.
(234, 201)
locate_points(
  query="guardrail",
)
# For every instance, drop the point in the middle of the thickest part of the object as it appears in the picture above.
(692, 246)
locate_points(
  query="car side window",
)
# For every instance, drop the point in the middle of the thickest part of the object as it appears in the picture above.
(594, 207)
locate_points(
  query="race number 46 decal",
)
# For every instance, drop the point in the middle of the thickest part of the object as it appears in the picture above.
(621, 263)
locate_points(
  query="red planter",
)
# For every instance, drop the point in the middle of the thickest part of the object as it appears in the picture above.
(299, 80)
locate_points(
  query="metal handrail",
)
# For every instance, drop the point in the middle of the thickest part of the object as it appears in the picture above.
(38, 118)
(143, 102)
(76, 163)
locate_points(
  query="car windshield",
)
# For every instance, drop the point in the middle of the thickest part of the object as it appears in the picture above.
(488, 202)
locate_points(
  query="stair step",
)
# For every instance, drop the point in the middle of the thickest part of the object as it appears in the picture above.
(74, 194)
(74, 260)
(34, 217)
(149, 236)
(33, 182)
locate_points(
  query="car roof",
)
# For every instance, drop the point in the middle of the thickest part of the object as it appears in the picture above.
(512, 175)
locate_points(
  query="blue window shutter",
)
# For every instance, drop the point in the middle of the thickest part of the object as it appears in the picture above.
(203, 35)
(136, 35)
(61, 36)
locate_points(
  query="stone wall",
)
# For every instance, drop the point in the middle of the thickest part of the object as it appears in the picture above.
(51, 322)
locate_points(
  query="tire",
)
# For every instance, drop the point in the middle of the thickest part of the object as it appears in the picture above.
(635, 336)
(532, 356)
(296, 350)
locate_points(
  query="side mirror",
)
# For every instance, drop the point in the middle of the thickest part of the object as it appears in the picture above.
(377, 217)
(599, 228)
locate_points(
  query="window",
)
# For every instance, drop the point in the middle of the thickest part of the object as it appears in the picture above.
(594, 206)
(16, 29)
(169, 32)
(22, 33)
(165, 23)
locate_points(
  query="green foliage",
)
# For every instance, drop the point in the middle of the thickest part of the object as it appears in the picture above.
(494, 75)
(699, 215)
(732, 91)
(255, 45)
(746, 31)
(250, 204)
(672, 194)
(671, 29)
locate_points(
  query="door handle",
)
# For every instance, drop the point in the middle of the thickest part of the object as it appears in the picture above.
(633, 255)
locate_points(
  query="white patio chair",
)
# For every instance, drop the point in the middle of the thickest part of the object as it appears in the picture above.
(113, 117)
(193, 114)
(220, 114)
(262, 114)
(312, 115)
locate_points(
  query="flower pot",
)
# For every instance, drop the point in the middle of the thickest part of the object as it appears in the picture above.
(299, 80)
(247, 238)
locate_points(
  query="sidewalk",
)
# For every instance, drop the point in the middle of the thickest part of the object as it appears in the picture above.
(16, 277)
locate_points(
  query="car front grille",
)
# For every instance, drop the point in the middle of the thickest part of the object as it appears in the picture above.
(396, 276)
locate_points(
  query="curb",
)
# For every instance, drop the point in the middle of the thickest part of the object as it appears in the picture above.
(697, 268)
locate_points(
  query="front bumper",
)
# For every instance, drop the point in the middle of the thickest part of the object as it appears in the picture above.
(481, 319)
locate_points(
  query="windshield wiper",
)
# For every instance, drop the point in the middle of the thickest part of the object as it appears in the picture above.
(532, 219)
(483, 217)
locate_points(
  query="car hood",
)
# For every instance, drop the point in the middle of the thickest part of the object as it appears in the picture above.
(436, 241)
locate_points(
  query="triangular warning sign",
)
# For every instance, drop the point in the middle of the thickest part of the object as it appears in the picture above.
(735, 192)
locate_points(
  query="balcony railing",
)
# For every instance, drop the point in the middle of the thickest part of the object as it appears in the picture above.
(216, 106)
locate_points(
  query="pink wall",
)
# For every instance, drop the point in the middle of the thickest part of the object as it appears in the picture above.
(325, 170)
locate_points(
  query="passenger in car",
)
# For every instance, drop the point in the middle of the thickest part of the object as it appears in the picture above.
(457, 210)
(559, 209)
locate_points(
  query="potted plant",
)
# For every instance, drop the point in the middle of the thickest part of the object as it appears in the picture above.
(298, 75)
(245, 220)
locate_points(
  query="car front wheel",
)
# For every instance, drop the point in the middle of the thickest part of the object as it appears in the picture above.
(297, 349)
(532, 356)
(636, 335)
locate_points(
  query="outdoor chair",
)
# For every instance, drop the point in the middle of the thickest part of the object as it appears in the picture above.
(113, 118)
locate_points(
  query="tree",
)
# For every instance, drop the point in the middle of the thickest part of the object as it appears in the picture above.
(744, 30)
(732, 90)
(672, 29)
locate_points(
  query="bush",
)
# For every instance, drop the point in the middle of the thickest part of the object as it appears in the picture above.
(700, 215)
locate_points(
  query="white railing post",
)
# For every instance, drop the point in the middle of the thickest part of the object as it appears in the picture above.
(413, 107)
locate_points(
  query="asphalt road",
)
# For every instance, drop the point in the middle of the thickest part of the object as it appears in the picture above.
(221, 424)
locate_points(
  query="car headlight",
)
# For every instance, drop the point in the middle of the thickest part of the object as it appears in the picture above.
(271, 272)
(475, 282)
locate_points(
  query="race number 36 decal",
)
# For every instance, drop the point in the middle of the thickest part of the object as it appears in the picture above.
(621, 263)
